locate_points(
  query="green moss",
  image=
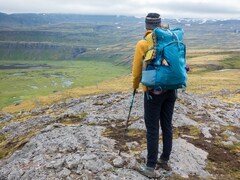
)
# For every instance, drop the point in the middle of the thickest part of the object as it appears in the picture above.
(92, 124)
(210, 166)
(2, 138)
(2, 124)
(194, 131)
(8, 147)
(176, 133)
(73, 119)
(83, 114)
(235, 148)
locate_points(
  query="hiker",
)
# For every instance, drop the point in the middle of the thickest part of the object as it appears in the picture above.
(158, 108)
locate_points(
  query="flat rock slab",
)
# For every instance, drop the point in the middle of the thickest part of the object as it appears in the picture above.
(77, 149)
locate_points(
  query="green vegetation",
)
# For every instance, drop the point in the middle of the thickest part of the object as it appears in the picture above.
(81, 51)
(2, 138)
(7, 147)
(51, 76)
(232, 62)
(73, 119)
(208, 75)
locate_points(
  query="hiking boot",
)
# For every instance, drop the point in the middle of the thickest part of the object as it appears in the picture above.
(164, 165)
(147, 171)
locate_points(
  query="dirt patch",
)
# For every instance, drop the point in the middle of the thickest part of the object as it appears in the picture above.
(118, 132)
(72, 119)
(223, 162)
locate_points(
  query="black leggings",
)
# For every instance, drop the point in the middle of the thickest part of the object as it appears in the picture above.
(159, 108)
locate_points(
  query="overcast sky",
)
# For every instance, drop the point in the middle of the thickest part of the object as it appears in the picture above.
(167, 8)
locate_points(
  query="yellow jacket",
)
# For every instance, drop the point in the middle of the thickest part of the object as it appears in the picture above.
(140, 51)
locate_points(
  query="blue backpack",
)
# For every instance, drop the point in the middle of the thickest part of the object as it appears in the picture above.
(164, 65)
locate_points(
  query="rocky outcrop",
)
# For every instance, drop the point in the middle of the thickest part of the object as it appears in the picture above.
(84, 139)
(28, 45)
(40, 48)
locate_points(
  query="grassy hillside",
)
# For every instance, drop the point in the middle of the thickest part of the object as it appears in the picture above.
(215, 73)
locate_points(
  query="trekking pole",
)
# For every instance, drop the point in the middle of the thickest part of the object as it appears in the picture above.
(126, 128)
(134, 92)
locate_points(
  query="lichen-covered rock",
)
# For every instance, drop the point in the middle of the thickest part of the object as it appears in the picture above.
(118, 162)
(181, 120)
(187, 159)
(64, 173)
(206, 132)
(78, 139)
(38, 157)
(6, 118)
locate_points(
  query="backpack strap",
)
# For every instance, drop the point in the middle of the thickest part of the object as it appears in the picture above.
(151, 40)
(176, 36)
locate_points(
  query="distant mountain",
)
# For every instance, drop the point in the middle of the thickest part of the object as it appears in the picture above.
(31, 19)
(112, 38)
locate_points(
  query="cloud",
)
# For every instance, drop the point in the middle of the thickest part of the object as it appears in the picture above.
(173, 8)
(198, 7)
(205, 9)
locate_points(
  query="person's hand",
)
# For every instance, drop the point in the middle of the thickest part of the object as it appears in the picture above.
(135, 91)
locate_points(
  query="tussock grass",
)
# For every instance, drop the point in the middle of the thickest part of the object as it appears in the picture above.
(215, 73)
(215, 82)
